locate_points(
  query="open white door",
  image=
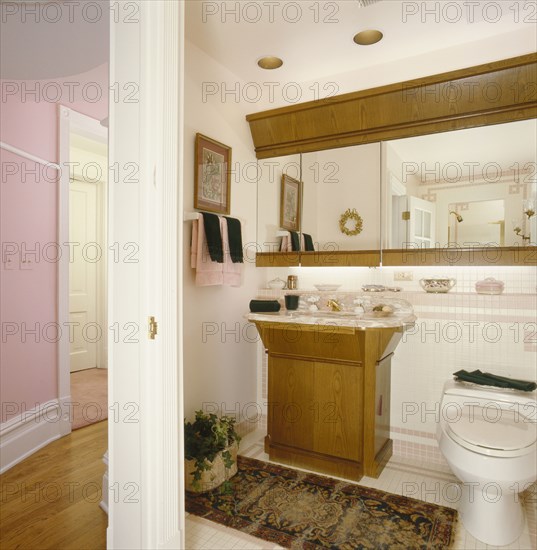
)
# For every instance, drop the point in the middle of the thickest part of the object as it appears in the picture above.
(421, 225)
(145, 420)
(83, 274)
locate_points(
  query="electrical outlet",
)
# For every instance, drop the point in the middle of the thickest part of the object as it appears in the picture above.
(403, 276)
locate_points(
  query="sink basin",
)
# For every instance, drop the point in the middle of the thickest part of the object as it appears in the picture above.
(326, 314)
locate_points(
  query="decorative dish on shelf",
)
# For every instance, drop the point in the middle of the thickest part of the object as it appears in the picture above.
(438, 285)
(489, 286)
(276, 284)
(327, 287)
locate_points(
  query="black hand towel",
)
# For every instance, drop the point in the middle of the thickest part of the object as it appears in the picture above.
(213, 235)
(295, 241)
(235, 240)
(258, 306)
(487, 379)
(308, 243)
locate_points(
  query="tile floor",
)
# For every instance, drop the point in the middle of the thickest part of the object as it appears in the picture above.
(401, 476)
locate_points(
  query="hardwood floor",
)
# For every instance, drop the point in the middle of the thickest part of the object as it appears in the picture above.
(51, 499)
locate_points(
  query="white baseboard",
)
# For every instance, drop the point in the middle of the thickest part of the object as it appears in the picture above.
(31, 430)
(104, 502)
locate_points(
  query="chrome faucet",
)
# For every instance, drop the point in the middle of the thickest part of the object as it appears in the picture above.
(334, 305)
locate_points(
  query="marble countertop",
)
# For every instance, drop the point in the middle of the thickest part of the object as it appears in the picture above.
(325, 318)
(356, 311)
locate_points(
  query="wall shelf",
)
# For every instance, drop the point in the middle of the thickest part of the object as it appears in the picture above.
(482, 256)
(479, 256)
(359, 258)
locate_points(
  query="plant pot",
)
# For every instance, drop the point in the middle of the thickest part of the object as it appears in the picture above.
(215, 476)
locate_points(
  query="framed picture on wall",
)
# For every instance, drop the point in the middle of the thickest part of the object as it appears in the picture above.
(290, 203)
(212, 175)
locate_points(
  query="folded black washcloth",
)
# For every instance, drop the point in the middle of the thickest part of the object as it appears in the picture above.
(295, 241)
(308, 243)
(487, 379)
(235, 240)
(257, 306)
(213, 235)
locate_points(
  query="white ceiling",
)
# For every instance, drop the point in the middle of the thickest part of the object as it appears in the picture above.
(53, 39)
(320, 42)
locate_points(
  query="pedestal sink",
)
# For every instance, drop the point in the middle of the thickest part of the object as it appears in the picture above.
(329, 389)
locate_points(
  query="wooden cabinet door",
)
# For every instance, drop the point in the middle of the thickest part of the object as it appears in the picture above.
(338, 405)
(291, 394)
(316, 406)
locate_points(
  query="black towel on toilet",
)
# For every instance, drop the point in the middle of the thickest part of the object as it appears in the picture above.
(235, 240)
(258, 306)
(213, 235)
(487, 379)
(295, 241)
(308, 243)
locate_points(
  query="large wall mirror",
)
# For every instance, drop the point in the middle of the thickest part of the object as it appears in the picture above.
(339, 202)
(466, 188)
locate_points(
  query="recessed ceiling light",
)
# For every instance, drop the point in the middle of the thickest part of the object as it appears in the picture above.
(270, 62)
(368, 37)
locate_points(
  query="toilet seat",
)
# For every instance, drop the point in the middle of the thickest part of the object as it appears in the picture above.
(510, 436)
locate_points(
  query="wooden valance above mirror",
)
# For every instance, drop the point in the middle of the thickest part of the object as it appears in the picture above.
(503, 91)
(494, 93)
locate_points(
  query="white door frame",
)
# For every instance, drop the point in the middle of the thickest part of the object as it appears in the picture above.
(70, 121)
(145, 498)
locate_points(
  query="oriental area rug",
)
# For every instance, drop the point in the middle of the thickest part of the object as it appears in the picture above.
(306, 511)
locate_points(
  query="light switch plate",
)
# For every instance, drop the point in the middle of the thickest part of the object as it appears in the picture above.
(403, 276)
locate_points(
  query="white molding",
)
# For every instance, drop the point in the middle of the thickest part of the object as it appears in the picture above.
(104, 502)
(147, 453)
(29, 156)
(30, 431)
(162, 80)
(87, 127)
(64, 131)
(70, 122)
(102, 271)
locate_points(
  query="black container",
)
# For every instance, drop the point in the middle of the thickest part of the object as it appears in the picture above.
(264, 306)
(291, 301)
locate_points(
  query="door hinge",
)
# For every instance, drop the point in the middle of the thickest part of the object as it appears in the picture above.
(153, 328)
(405, 215)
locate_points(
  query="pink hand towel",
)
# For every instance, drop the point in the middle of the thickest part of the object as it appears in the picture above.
(208, 273)
(287, 245)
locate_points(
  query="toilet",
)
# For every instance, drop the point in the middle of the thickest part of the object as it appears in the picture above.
(488, 437)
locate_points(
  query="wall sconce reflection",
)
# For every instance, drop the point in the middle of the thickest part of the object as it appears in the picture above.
(529, 208)
(457, 216)
(518, 230)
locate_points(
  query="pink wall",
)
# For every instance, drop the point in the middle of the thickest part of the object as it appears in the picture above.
(28, 221)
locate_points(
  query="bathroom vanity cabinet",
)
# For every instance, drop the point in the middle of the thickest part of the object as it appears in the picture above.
(329, 396)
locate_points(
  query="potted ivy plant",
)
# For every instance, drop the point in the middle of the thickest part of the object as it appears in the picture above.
(211, 445)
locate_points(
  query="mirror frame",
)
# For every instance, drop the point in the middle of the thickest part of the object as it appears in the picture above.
(494, 93)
